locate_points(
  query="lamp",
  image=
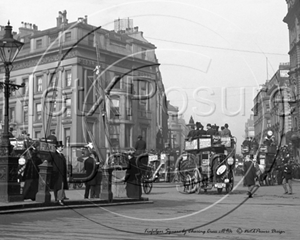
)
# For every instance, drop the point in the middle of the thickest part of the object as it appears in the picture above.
(9, 49)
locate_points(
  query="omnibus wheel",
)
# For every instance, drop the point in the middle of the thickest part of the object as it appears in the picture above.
(188, 184)
(197, 181)
(147, 187)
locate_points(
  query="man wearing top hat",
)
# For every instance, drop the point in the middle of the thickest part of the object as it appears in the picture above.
(59, 173)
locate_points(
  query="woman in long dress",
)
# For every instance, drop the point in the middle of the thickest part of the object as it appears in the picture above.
(31, 176)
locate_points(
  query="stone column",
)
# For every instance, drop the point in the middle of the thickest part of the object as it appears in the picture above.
(43, 194)
(9, 186)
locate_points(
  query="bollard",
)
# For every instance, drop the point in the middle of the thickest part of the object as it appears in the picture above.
(106, 193)
(43, 194)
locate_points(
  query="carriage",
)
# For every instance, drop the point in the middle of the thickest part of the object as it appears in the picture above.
(208, 162)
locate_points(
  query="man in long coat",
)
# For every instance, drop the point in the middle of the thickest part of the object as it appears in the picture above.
(59, 181)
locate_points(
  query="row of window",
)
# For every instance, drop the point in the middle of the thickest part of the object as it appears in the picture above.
(38, 85)
(39, 42)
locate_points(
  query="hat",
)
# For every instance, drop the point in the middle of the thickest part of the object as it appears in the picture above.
(59, 144)
(199, 124)
(140, 136)
(208, 125)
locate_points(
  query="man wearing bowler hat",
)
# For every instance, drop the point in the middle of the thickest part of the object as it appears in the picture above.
(59, 173)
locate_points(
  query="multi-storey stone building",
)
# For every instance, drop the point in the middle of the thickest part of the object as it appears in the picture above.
(271, 107)
(79, 61)
(292, 19)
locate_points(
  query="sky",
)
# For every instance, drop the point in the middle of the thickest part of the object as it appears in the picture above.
(214, 54)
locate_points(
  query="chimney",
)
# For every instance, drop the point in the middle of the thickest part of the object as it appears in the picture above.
(85, 19)
(58, 21)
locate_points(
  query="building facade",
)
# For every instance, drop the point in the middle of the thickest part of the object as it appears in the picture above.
(177, 128)
(292, 19)
(66, 70)
(271, 107)
(249, 127)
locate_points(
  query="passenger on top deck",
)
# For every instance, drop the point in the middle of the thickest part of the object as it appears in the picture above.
(226, 132)
(199, 130)
(210, 130)
(191, 133)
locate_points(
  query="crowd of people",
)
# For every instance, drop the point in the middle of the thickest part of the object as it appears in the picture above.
(212, 130)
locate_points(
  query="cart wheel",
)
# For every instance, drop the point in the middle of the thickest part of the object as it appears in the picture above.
(229, 186)
(188, 184)
(197, 181)
(147, 185)
(220, 190)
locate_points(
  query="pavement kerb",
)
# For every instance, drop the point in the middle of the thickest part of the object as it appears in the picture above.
(35, 207)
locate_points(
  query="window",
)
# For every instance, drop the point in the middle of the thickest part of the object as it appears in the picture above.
(52, 81)
(67, 136)
(91, 40)
(39, 43)
(143, 53)
(68, 107)
(114, 108)
(12, 114)
(25, 89)
(114, 135)
(68, 78)
(38, 112)
(68, 36)
(39, 84)
(142, 92)
(37, 134)
(128, 108)
(118, 84)
(25, 114)
(1, 115)
(128, 136)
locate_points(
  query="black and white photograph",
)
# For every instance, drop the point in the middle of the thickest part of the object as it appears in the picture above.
(150, 119)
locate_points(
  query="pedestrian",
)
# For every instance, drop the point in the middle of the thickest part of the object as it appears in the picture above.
(59, 181)
(133, 178)
(250, 175)
(90, 164)
(287, 177)
(10, 133)
(140, 146)
(31, 175)
(159, 141)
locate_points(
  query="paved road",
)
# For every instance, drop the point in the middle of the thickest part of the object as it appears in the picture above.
(269, 215)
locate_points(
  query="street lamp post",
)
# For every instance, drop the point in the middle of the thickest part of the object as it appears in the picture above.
(9, 187)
